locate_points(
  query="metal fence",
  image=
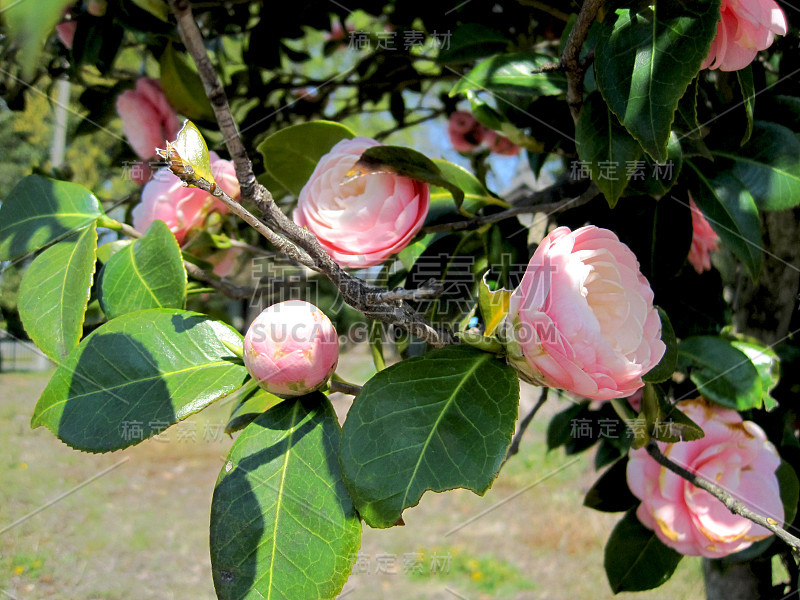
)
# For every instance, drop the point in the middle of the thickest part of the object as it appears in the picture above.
(21, 356)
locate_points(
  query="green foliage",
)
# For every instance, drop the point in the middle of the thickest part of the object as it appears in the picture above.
(610, 492)
(55, 291)
(282, 523)
(39, 211)
(135, 376)
(445, 406)
(30, 23)
(722, 373)
(514, 74)
(666, 366)
(291, 154)
(183, 87)
(146, 274)
(635, 559)
(645, 59)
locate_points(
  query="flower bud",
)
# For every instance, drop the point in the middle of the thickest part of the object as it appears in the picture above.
(291, 348)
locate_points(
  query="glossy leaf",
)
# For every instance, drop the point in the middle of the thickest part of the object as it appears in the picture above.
(157, 8)
(666, 366)
(493, 305)
(790, 491)
(745, 77)
(606, 147)
(768, 365)
(146, 274)
(282, 523)
(407, 163)
(291, 154)
(646, 58)
(255, 403)
(732, 213)
(136, 375)
(722, 373)
(183, 87)
(514, 74)
(768, 166)
(610, 492)
(471, 41)
(475, 193)
(441, 421)
(29, 25)
(191, 149)
(40, 210)
(55, 291)
(635, 559)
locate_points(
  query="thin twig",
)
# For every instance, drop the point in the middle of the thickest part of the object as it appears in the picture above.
(355, 292)
(344, 388)
(570, 58)
(523, 425)
(732, 504)
(430, 289)
(549, 208)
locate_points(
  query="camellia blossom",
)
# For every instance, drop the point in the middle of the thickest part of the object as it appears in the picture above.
(291, 348)
(465, 132)
(704, 240)
(582, 318)
(183, 208)
(744, 28)
(66, 33)
(148, 119)
(360, 219)
(499, 144)
(734, 454)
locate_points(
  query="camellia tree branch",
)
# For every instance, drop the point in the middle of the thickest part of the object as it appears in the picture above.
(737, 507)
(355, 292)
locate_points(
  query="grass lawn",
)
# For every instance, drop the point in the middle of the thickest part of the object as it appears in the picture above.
(141, 529)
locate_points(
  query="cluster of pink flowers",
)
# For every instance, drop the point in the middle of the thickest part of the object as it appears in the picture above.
(467, 134)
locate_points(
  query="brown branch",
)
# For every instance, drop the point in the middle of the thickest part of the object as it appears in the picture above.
(737, 507)
(523, 425)
(344, 388)
(570, 58)
(355, 292)
(534, 207)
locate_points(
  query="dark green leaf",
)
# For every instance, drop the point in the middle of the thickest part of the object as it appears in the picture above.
(146, 274)
(790, 491)
(437, 422)
(653, 179)
(55, 291)
(666, 366)
(646, 58)
(721, 372)
(768, 365)
(561, 426)
(291, 154)
(606, 147)
(635, 559)
(255, 403)
(29, 24)
(471, 41)
(282, 524)
(408, 163)
(745, 77)
(135, 376)
(610, 492)
(475, 194)
(183, 87)
(40, 210)
(768, 166)
(514, 74)
(732, 213)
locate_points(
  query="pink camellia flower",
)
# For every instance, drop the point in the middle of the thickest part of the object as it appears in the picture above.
(744, 28)
(735, 455)
(500, 144)
(66, 33)
(360, 219)
(291, 348)
(582, 318)
(147, 117)
(183, 208)
(465, 132)
(704, 240)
